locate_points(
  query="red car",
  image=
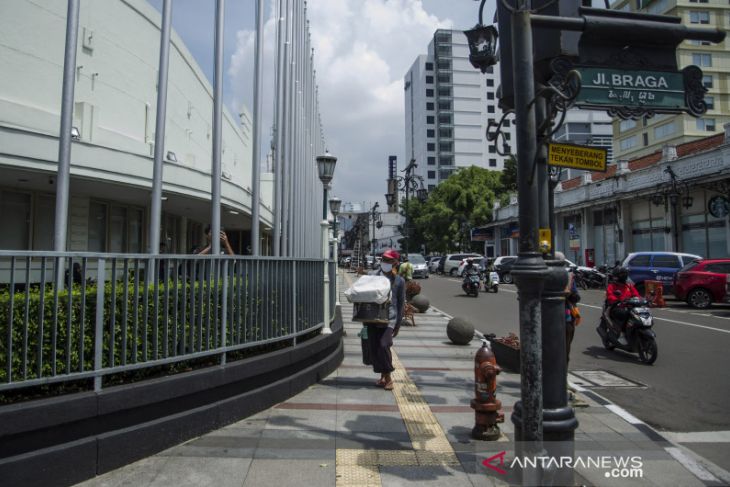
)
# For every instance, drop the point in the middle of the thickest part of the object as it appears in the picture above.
(702, 282)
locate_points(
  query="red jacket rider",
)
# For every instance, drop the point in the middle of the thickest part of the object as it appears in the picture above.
(625, 289)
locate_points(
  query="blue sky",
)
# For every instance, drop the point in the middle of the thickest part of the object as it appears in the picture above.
(363, 48)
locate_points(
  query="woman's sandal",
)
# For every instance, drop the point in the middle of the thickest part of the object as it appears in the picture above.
(380, 383)
(388, 386)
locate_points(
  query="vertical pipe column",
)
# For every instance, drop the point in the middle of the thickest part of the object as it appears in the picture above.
(153, 246)
(290, 204)
(257, 104)
(529, 269)
(215, 219)
(326, 286)
(278, 124)
(64, 136)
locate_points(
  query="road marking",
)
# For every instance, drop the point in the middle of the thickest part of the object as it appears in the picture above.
(670, 321)
(698, 470)
(627, 416)
(601, 378)
(699, 436)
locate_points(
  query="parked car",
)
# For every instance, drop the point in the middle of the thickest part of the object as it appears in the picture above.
(503, 266)
(452, 261)
(433, 264)
(440, 265)
(702, 282)
(656, 266)
(420, 267)
(476, 260)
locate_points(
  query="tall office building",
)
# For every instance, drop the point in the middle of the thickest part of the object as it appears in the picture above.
(640, 137)
(448, 106)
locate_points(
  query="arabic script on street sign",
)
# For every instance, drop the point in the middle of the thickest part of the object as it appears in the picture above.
(647, 89)
(577, 157)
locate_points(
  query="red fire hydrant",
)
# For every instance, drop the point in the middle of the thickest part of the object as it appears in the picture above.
(486, 406)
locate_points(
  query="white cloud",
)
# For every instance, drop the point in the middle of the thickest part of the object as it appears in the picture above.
(363, 48)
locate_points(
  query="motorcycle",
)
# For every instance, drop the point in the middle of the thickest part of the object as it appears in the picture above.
(590, 279)
(491, 281)
(640, 338)
(471, 284)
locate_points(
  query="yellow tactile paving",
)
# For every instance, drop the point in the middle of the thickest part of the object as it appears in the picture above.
(361, 468)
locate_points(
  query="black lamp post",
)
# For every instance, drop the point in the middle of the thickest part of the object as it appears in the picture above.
(409, 182)
(326, 169)
(672, 195)
(482, 41)
(374, 218)
(335, 206)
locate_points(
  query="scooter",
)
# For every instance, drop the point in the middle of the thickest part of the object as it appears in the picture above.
(471, 284)
(491, 282)
(640, 337)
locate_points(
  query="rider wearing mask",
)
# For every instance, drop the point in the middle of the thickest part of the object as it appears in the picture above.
(380, 337)
(620, 289)
(469, 269)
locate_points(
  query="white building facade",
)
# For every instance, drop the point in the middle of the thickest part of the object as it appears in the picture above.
(448, 105)
(114, 120)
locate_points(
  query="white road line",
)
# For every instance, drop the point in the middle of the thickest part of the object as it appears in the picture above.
(670, 321)
(627, 416)
(698, 470)
(699, 436)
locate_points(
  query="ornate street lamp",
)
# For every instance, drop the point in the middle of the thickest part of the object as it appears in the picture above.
(375, 218)
(390, 198)
(482, 41)
(326, 169)
(672, 195)
(410, 182)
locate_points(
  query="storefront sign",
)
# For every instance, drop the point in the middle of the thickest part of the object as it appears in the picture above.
(577, 157)
(574, 244)
(718, 206)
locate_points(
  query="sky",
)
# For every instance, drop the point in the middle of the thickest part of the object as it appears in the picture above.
(362, 51)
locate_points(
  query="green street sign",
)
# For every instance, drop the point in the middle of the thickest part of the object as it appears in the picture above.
(651, 90)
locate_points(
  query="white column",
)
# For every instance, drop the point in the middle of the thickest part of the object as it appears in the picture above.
(325, 244)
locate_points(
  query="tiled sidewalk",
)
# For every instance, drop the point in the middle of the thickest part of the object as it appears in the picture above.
(345, 431)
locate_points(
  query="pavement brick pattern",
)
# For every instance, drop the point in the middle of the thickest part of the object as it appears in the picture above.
(344, 431)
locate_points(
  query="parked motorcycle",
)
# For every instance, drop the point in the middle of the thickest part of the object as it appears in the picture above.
(491, 281)
(640, 337)
(471, 284)
(590, 279)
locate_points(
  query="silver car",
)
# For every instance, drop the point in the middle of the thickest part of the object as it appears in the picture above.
(420, 267)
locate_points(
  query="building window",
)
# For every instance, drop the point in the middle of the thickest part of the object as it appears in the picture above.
(699, 17)
(446, 133)
(664, 130)
(490, 82)
(492, 149)
(444, 64)
(705, 124)
(446, 147)
(492, 162)
(430, 133)
(429, 92)
(625, 125)
(429, 80)
(507, 136)
(431, 147)
(628, 142)
(14, 220)
(445, 91)
(446, 160)
(490, 108)
(445, 119)
(431, 187)
(444, 104)
(444, 78)
(710, 102)
(429, 105)
(702, 59)
(490, 95)
(429, 66)
(431, 161)
(645, 138)
(431, 174)
(707, 81)
(96, 240)
(43, 221)
(430, 119)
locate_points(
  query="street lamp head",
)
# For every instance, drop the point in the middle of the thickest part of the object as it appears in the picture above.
(390, 198)
(379, 224)
(482, 41)
(326, 167)
(688, 201)
(422, 194)
(657, 199)
(335, 205)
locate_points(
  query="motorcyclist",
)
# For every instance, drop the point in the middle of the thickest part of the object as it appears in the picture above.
(469, 270)
(620, 289)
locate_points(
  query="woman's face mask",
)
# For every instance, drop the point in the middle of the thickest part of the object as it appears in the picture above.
(386, 266)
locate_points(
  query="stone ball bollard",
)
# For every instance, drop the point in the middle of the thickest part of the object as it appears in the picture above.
(460, 331)
(420, 302)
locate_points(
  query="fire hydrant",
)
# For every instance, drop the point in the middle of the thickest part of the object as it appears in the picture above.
(486, 406)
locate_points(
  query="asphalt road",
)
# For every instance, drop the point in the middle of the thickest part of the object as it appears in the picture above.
(686, 390)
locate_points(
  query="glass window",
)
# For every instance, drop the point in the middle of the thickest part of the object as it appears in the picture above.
(431, 174)
(445, 118)
(446, 132)
(626, 125)
(490, 108)
(429, 80)
(43, 221)
(705, 124)
(689, 266)
(710, 102)
(492, 149)
(117, 229)
(640, 261)
(444, 104)
(492, 162)
(664, 130)
(430, 119)
(670, 261)
(446, 147)
(429, 105)
(628, 142)
(431, 147)
(702, 59)
(490, 82)
(444, 64)
(96, 241)
(444, 78)
(429, 66)
(444, 91)
(717, 245)
(446, 160)
(645, 138)
(429, 92)
(430, 133)
(431, 161)
(707, 81)
(490, 96)
(699, 17)
(135, 230)
(718, 268)
(14, 220)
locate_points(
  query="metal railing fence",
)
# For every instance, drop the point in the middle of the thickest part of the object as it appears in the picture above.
(67, 316)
